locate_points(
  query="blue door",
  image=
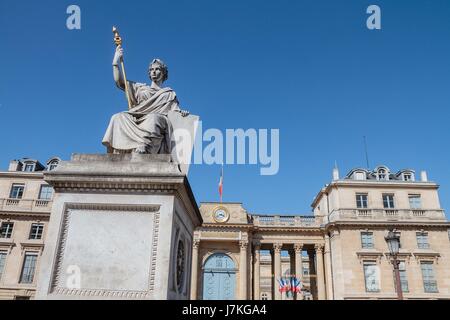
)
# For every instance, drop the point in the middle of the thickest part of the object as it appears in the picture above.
(219, 278)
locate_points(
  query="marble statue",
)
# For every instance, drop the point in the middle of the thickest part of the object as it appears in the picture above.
(145, 127)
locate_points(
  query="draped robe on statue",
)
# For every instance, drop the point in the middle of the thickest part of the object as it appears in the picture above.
(145, 124)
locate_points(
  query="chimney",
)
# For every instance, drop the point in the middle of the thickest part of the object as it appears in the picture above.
(15, 165)
(335, 173)
(423, 176)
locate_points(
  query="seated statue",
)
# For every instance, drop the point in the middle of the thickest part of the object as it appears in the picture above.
(145, 127)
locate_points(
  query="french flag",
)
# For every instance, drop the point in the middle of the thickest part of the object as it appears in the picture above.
(282, 284)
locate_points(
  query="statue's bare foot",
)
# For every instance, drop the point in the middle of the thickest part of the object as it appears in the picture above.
(140, 150)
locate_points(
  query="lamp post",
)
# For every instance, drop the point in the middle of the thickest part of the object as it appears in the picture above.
(393, 242)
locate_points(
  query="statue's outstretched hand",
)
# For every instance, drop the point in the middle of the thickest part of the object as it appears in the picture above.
(118, 55)
(184, 113)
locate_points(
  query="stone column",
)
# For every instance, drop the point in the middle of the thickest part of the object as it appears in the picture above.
(320, 272)
(194, 273)
(312, 273)
(277, 269)
(328, 274)
(243, 269)
(256, 273)
(298, 247)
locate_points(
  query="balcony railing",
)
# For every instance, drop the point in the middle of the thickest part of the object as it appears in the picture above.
(387, 214)
(285, 221)
(25, 205)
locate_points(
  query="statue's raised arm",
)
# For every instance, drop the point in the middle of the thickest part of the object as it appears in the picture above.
(118, 79)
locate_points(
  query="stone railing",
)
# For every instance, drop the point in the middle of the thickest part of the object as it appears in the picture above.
(387, 214)
(285, 221)
(25, 205)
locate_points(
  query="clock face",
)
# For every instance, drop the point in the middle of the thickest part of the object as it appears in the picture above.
(221, 215)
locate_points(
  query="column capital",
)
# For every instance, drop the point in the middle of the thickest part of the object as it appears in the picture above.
(195, 243)
(277, 247)
(243, 244)
(298, 247)
(319, 247)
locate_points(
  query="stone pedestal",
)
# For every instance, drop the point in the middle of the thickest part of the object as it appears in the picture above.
(121, 227)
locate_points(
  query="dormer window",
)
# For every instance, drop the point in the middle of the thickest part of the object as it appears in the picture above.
(359, 175)
(52, 163)
(29, 167)
(408, 176)
(382, 174)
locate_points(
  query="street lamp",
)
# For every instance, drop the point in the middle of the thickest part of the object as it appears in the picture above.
(393, 242)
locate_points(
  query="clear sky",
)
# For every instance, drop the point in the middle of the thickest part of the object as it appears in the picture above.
(309, 68)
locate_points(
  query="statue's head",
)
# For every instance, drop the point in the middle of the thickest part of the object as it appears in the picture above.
(158, 71)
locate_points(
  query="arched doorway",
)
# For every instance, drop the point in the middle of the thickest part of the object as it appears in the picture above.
(219, 278)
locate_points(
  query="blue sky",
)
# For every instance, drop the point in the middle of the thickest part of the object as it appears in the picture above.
(310, 68)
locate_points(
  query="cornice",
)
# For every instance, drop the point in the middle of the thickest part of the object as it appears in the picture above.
(22, 174)
(25, 214)
(413, 224)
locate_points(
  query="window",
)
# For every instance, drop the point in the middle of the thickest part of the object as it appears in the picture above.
(29, 266)
(305, 270)
(429, 282)
(6, 230)
(367, 240)
(388, 201)
(408, 177)
(361, 200)
(371, 276)
(382, 174)
(46, 192)
(360, 175)
(415, 202)
(52, 165)
(29, 167)
(399, 235)
(403, 277)
(264, 296)
(16, 191)
(2, 262)
(422, 240)
(36, 231)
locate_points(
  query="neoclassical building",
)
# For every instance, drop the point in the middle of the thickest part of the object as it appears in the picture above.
(25, 206)
(342, 243)
(338, 251)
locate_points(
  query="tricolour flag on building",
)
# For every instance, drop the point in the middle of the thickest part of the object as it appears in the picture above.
(282, 284)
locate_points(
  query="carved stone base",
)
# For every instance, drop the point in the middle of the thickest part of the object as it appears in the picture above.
(121, 227)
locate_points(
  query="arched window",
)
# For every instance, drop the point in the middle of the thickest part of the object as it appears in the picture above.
(382, 174)
(264, 296)
(52, 164)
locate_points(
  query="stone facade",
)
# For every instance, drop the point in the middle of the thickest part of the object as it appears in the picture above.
(338, 251)
(25, 204)
(342, 243)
